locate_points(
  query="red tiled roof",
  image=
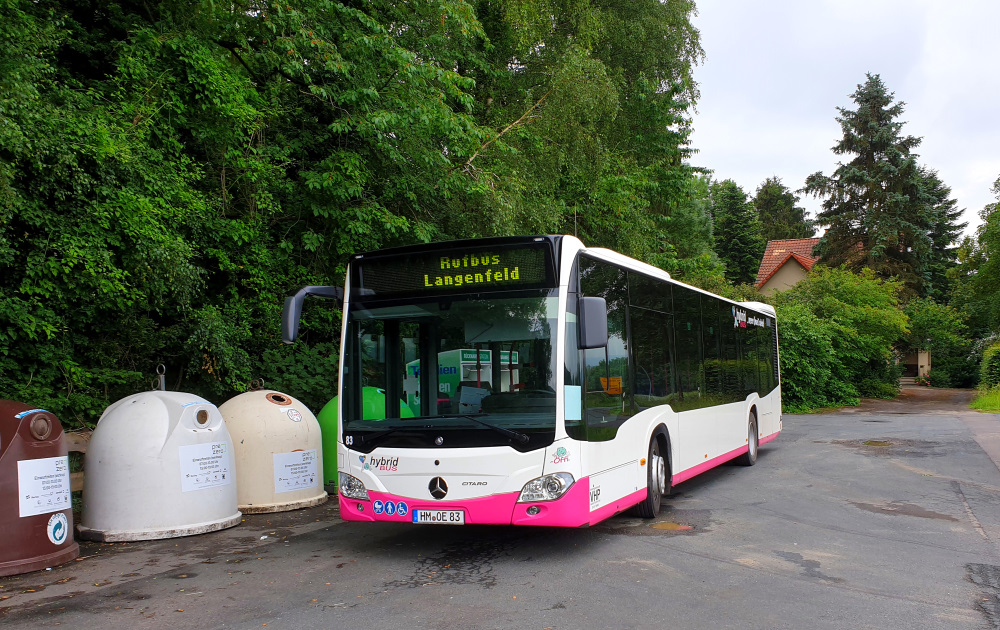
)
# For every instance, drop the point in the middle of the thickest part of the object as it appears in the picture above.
(780, 252)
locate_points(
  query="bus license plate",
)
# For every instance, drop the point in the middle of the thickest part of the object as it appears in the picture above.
(439, 517)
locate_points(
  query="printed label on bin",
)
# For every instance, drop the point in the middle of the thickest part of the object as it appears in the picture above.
(205, 466)
(58, 528)
(43, 485)
(295, 471)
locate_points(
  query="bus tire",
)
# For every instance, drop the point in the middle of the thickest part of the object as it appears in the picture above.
(656, 481)
(750, 457)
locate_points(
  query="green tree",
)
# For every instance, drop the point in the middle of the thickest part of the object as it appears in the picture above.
(986, 282)
(876, 207)
(589, 103)
(945, 233)
(976, 289)
(779, 213)
(685, 241)
(738, 230)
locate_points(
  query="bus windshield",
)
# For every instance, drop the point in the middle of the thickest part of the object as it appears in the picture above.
(460, 370)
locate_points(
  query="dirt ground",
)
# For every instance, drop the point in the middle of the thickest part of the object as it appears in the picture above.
(917, 399)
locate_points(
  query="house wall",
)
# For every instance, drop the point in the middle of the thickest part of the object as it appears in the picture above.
(917, 363)
(786, 277)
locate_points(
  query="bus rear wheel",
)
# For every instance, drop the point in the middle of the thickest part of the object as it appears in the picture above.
(750, 457)
(656, 481)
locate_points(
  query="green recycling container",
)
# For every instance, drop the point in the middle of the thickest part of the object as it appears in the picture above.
(327, 418)
(374, 408)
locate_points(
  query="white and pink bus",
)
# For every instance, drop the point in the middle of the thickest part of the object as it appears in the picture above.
(594, 383)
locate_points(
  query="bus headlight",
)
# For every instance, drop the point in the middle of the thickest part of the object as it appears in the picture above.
(352, 488)
(547, 488)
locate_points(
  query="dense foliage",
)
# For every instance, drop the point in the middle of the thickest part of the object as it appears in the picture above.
(977, 291)
(838, 331)
(991, 366)
(170, 171)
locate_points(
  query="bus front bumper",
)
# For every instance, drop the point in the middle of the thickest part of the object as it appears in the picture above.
(570, 510)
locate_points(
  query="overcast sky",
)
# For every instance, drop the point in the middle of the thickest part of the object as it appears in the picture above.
(776, 70)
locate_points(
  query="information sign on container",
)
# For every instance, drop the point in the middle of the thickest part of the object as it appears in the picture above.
(43, 485)
(297, 470)
(205, 466)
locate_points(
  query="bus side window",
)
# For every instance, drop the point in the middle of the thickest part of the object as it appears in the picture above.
(712, 346)
(729, 360)
(653, 379)
(749, 370)
(687, 324)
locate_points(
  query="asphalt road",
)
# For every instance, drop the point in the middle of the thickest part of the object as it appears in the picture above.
(882, 516)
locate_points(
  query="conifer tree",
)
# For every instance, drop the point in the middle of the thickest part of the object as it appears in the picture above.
(945, 233)
(876, 207)
(738, 230)
(779, 213)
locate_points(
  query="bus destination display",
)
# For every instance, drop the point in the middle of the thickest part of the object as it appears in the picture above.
(453, 271)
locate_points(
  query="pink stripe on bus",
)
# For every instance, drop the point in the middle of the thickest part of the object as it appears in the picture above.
(493, 510)
(684, 475)
(571, 510)
(694, 471)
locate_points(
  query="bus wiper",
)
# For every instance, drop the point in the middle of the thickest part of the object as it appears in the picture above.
(512, 434)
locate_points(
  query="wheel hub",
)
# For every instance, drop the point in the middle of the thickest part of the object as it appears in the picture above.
(660, 470)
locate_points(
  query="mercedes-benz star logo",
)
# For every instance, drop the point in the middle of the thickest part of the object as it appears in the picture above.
(438, 488)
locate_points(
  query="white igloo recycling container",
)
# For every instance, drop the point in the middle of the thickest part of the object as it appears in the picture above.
(279, 451)
(159, 465)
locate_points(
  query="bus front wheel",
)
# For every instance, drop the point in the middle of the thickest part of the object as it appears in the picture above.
(750, 457)
(656, 481)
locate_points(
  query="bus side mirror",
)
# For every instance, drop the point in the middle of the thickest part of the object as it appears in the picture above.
(293, 308)
(593, 314)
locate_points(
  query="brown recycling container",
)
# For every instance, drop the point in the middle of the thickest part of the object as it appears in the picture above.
(36, 515)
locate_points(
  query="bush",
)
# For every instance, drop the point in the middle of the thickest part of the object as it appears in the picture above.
(939, 378)
(990, 368)
(837, 331)
(875, 388)
(806, 354)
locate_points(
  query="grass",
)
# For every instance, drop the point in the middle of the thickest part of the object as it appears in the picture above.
(987, 400)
